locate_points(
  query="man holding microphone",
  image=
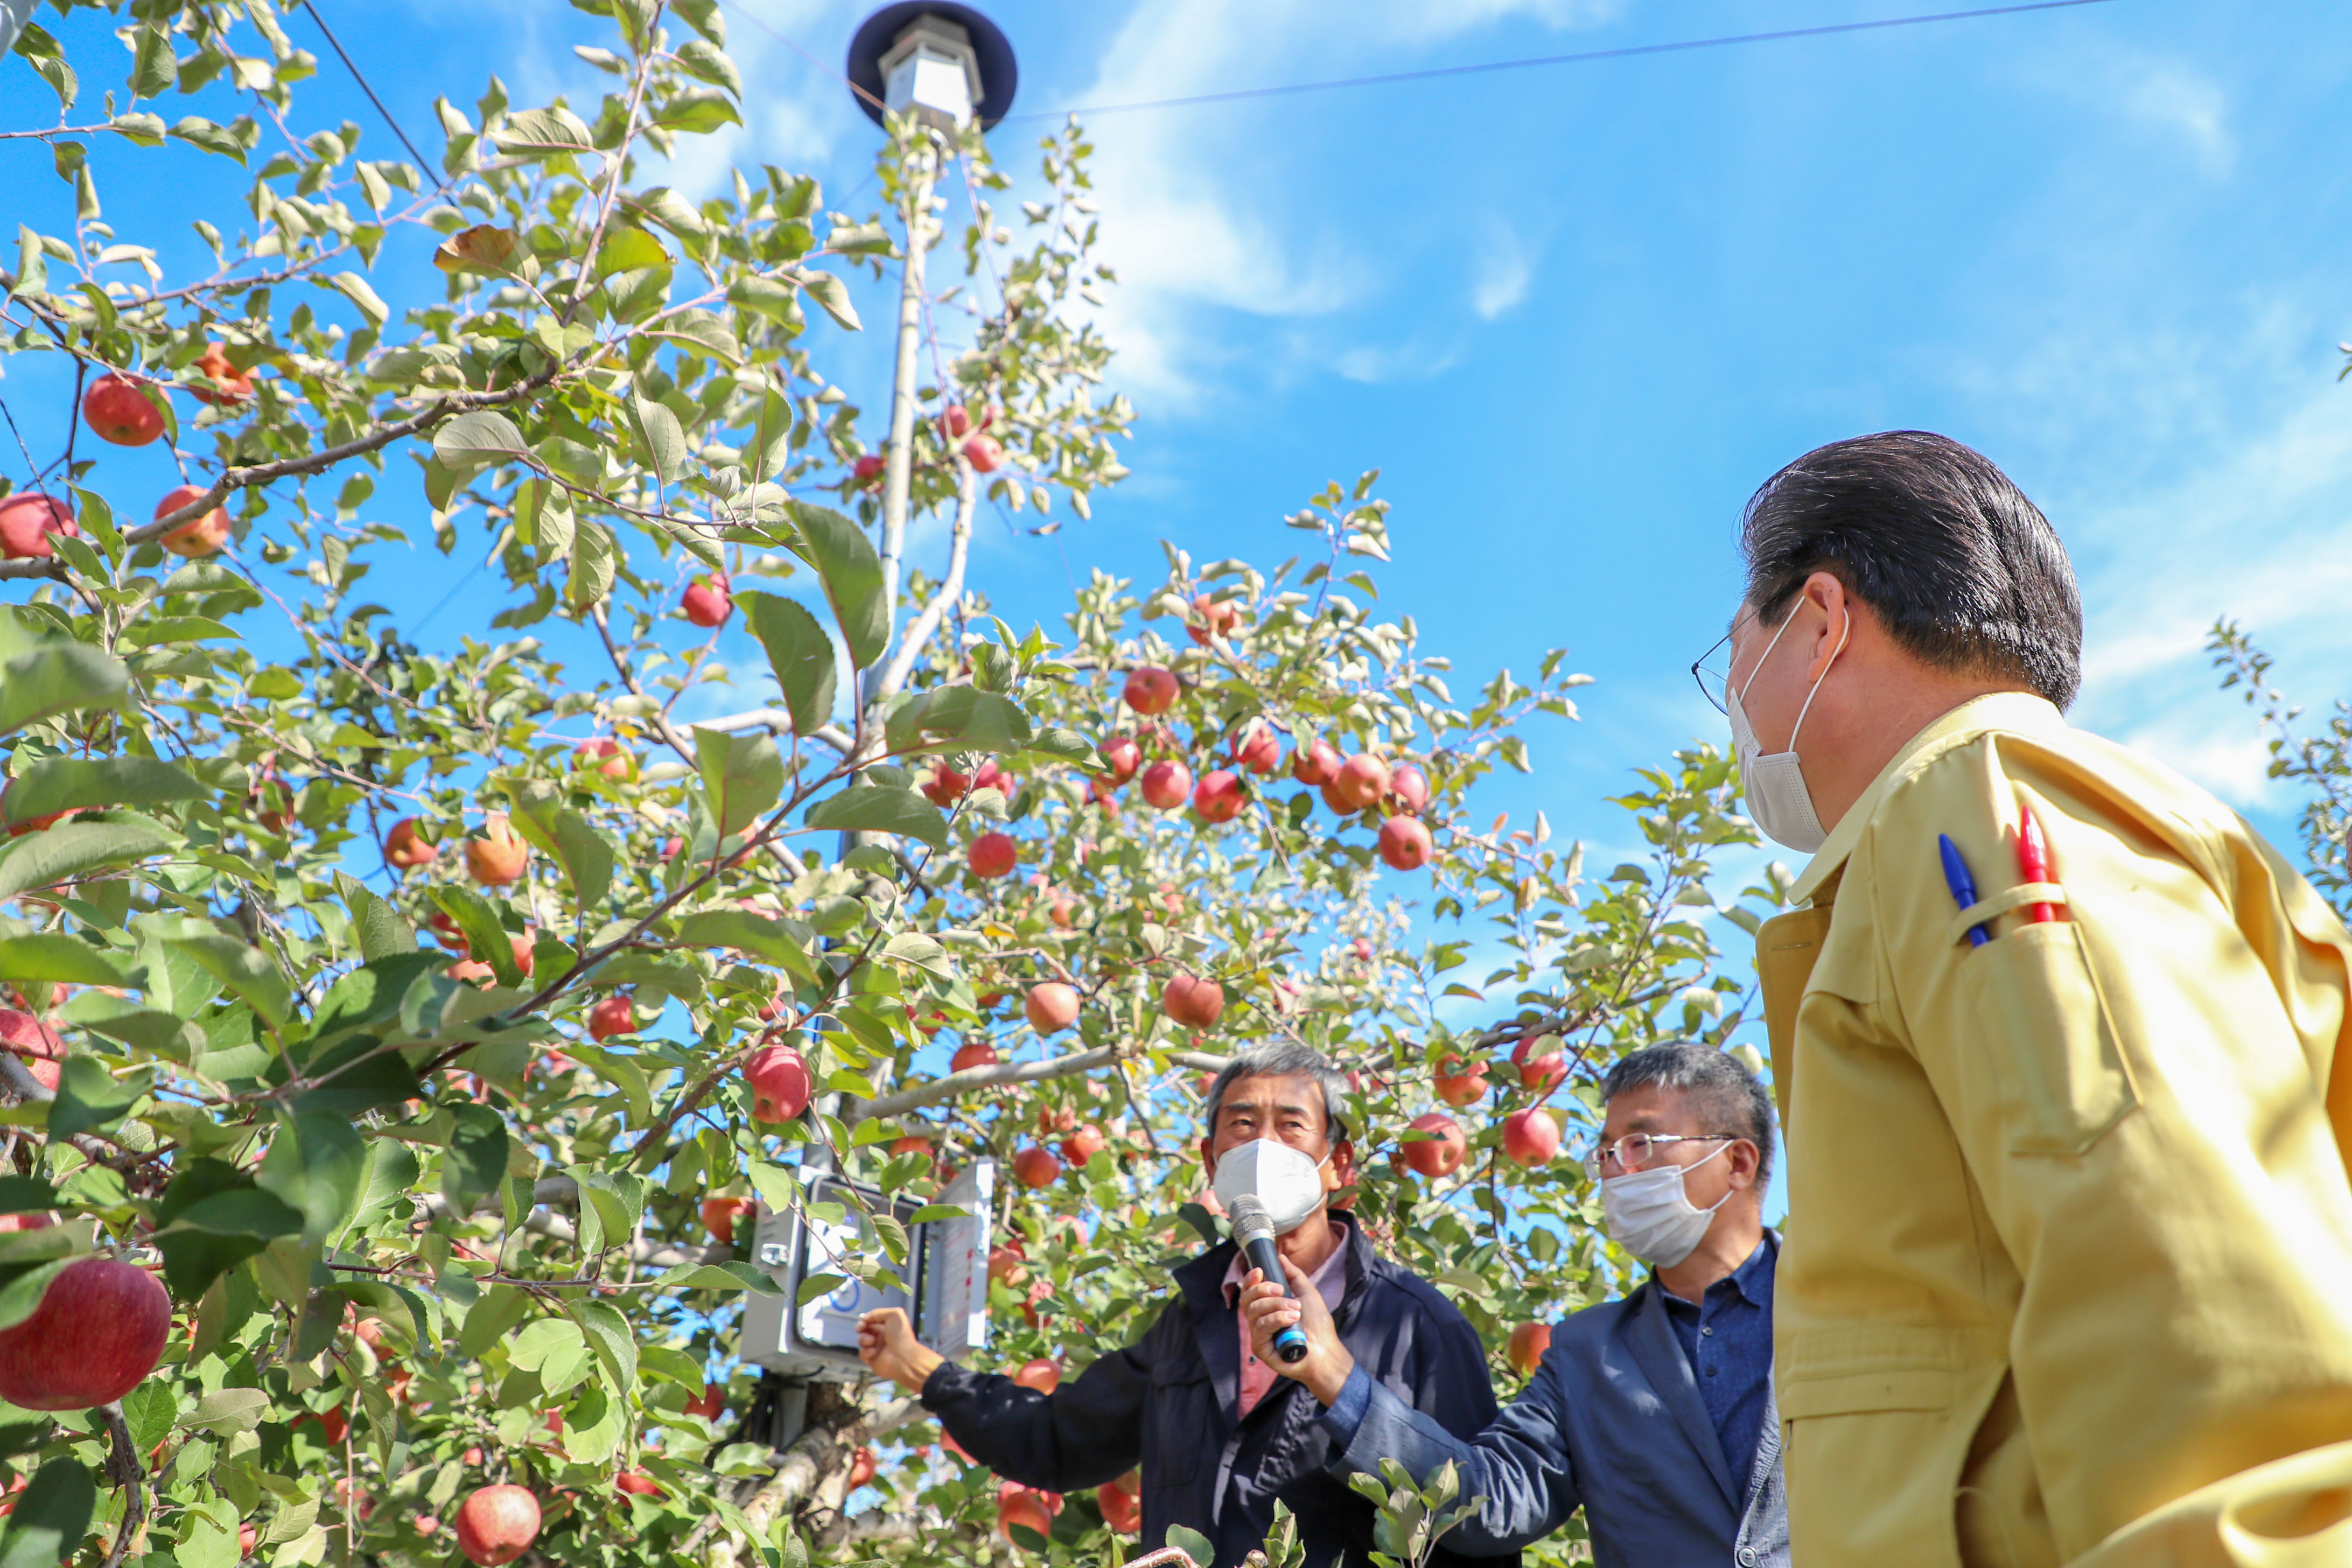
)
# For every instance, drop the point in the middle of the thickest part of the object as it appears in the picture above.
(1219, 1438)
(1653, 1414)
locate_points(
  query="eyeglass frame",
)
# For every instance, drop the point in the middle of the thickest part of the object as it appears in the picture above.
(1601, 1153)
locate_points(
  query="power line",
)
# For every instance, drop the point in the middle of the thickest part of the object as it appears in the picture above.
(335, 44)
(1617, 54)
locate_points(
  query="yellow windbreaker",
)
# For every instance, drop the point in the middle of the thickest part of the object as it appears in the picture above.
(2068, 1268)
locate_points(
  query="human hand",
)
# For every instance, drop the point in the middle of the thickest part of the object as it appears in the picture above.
(887, 1345)
(1327, 1364)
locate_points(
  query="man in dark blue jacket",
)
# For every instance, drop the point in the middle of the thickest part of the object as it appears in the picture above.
(1654, 1414)
(1219, 1438)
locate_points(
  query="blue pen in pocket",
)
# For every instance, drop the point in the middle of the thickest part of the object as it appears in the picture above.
(1963, 886)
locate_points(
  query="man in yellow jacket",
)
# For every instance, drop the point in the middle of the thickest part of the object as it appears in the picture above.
(2068, 1271)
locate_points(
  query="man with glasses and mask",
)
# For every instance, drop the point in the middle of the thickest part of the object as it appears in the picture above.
(1219, 1438)
(1652, 1412)
(2059, 1044)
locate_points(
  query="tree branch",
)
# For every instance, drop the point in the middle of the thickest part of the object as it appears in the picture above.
(921, 629)
(970, 1078)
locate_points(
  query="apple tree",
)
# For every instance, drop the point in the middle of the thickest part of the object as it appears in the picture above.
(402, 1022)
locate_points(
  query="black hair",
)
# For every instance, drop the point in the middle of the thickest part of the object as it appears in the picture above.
(1727, 1097)
(1966, 573)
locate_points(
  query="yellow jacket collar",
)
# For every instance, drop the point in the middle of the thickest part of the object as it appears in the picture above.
(2018, 710)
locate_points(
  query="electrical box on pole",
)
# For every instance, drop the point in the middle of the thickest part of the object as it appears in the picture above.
(942, 1286)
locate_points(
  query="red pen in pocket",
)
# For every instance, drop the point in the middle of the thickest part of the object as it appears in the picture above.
(2033, 862)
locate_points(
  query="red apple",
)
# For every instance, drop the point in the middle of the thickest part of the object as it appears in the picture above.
(1008, 1265)
(230, 385)
(203, 534)
(118, 411)
(991, 774)
(706, 602)
(1166, 785)
(12, 1223)
(616, 1015)
(1339, 804)
(984, 453)
(869, 469)
(1151, 689)
(636, 1483)
(1211, 618)
(1036, 1168)
(1193, 1001)
(943, 786)
(607, 756)
(1531, 1137)
(1040, 1374)
(708, 1404)
(781, 1084)
(1540, 1063)
(1219, 797)
(954, 423)
(1258, 750)
(334, 1423)
(1528, 1344)
(525, 948)
(863, 1467)
(720, 1214)
(1051, 1007)
(1440, 1155)
(1121, 1510)
(1316, 764)
(1123, 756)
(98, 1331)
(1084, 1143)
(498, 1524)
(992, 855)
(1461, 1086)
(1017, 1504)
(1405, 844)
(1409, 789)
(406, 846)
(497, 856)
(38, 1045)
(273, 803)
(1063, 912)
(26, 521)
(1361, 780)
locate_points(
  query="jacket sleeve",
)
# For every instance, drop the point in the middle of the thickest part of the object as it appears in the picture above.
(1518, 1463)
(1087, 1432)
(2137, 1090)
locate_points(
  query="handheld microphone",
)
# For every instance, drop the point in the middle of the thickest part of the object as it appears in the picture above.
(1254, 1232)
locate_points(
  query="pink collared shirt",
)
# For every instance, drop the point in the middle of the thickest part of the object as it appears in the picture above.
(1331, 1281)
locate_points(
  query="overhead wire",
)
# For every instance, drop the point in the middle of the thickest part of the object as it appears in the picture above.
(1625, 52)
(335, 44)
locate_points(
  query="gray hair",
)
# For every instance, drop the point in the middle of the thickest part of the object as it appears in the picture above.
(1728, 1096)
(1282, 1059)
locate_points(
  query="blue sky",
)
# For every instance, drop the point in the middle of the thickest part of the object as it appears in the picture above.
(1576, 315)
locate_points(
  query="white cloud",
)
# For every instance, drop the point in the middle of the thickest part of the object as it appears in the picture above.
(1502, 274)
(2174, 97)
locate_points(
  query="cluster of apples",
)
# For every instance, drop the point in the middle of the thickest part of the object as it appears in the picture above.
(1530, 1135)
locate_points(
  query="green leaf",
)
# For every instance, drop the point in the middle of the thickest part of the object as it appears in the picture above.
(742, 774)
(476, 1159)
(356, 289)
(781, 943)
(851, 571)
(584, 855)
(1192, 1543)
(730, 1276)
(663, 440)
(200, 133)
(831, 293)
(148, 1410)
(536, 133)
(874, 808)
(247, 971)
(62, 783)
(629, 250)
(51, 1517)
(802, 657)
(207, 1238)
(486, 939)
(382, 933)
(42, 678)
(227, 1410)
(153, 69)
(67, 960)
(964, 717)
(90, 1099)
(595, 564)
(316, 1165)
(610, 1335)
(71, 848)
(481, 439)
(27, 1194)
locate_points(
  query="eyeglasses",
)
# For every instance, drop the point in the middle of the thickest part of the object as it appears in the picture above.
(1712, 671)
(1640, 1151)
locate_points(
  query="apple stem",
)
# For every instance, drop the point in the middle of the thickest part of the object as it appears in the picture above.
(124, 1470)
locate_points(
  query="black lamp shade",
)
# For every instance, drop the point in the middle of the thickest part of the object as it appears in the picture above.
(999, 76)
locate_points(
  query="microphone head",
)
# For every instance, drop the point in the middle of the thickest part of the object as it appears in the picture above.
(1250, 1219)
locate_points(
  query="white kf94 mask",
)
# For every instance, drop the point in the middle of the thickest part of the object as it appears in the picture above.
(1289, 1183)
(1648, 1214)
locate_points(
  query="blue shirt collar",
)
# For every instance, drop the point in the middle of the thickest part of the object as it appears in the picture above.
(1752, 1279)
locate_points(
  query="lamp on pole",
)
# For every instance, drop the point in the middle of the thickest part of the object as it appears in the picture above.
(945, 66)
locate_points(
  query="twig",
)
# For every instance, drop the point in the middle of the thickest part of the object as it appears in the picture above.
(123, 1468)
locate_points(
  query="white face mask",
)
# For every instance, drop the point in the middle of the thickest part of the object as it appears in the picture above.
(1648, 1214)
(1287, 1181)
(1774, 786)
